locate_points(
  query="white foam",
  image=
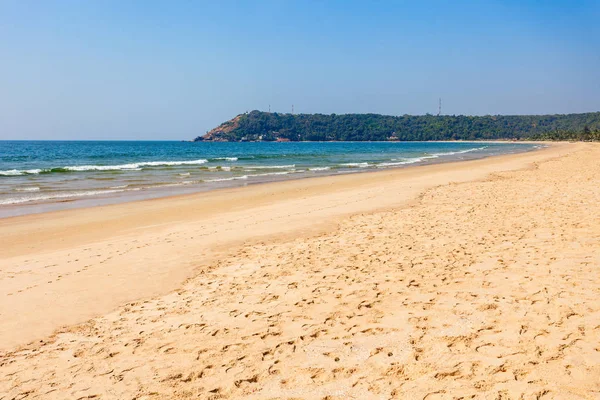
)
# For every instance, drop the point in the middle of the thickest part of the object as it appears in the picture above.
(164, 185)
(450, 153)
(133, 166)
(28, 189)
(101, 167)
(273, 173)
(17, 172)
(271, 166)
(119, 167)
(226, 158)
(408, 161)
(358, 165)
(171, 163)
(319, 169)
(233, 178)
(19, 200)
(431, 156)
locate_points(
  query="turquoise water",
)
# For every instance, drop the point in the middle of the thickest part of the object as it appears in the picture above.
(41, 172)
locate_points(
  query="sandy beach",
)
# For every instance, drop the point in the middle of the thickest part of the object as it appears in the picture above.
(476, 279)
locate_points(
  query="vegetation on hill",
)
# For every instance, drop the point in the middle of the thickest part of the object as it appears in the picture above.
(257, 126)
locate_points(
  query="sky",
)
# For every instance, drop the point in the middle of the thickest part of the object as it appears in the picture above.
(172, 70)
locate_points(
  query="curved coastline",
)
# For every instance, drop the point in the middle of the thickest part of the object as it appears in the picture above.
(129, 189)
(141, 261)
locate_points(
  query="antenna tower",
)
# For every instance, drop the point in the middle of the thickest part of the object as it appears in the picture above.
(439, 107)
(269, 108)
(292, 108)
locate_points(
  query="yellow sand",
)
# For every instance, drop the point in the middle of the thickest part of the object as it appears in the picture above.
(478, 279)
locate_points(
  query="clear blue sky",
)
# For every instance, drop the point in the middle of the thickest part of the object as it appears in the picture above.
(175, 69)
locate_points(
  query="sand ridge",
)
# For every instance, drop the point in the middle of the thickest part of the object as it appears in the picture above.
(484, 289)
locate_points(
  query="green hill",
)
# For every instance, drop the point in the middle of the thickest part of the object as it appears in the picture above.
(263, 126)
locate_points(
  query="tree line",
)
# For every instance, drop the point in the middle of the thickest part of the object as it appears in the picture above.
(257, 125)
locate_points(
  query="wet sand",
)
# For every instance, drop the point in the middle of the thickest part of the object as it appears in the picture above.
(477, 278)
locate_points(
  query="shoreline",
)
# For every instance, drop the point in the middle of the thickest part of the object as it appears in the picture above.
(91, 260)
(169, 190)
(477, 279)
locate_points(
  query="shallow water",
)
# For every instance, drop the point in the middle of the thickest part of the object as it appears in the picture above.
(45, 175)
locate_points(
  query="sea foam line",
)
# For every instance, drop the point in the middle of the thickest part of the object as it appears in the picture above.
(80, 168)
(359, 165)
(17, 172)
(273, 173)
(250, 167)
(243, 177)
(233, 178)
(226, 158)
(133, 165)
(433, 155)
(406, 162)
(20, 200)
(450, 153)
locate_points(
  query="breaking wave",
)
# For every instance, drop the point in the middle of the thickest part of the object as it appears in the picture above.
(120, 167)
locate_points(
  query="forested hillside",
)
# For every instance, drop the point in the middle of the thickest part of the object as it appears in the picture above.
(257, 125)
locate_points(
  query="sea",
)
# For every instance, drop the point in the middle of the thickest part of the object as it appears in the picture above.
(39, 176)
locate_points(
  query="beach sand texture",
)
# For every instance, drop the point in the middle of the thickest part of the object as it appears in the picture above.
(437, 286)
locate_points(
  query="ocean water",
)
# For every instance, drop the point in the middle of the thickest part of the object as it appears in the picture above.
(46, 175)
